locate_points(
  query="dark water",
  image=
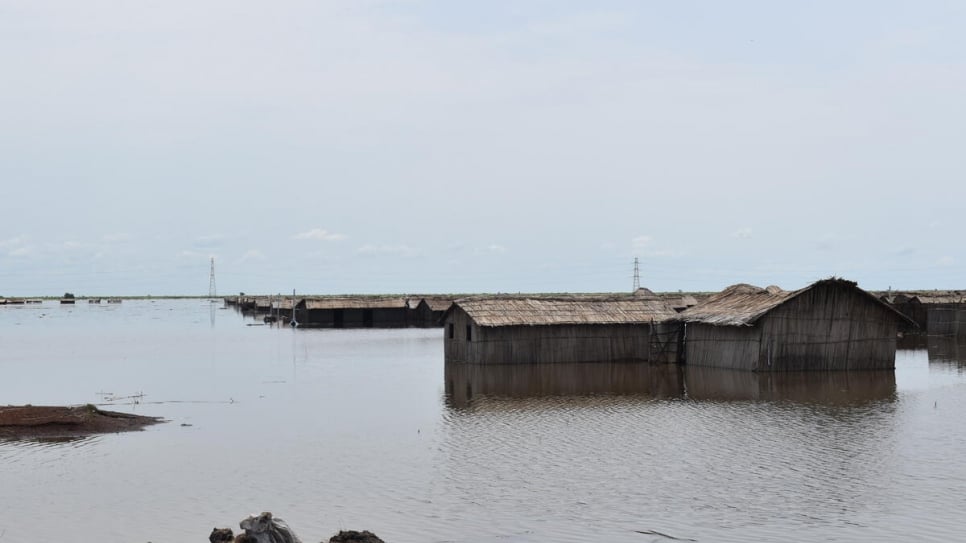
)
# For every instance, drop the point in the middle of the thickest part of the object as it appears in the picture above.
(366, 429)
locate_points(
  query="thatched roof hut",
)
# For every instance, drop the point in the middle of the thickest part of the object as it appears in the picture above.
(519, 329)
(829, 325)
(936, 312)
(354, 312)
(519, 311)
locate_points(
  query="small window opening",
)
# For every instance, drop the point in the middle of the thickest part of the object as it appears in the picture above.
(469, 332)
(452, 330)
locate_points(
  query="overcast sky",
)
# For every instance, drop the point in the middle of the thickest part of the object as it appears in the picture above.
(441, 146)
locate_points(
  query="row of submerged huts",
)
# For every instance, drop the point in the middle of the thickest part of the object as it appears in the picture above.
(347, 311)
(936, 312)
(829, 325)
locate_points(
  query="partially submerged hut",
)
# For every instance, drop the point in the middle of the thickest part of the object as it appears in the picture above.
(354, 312)
(283, 309)
(935, 312)
(681, 301)
(829, 325)
(263, 304)
(421, 315)
(526, 330)
(438, 306)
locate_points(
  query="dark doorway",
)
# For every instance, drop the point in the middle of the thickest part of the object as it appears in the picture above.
(338, 320)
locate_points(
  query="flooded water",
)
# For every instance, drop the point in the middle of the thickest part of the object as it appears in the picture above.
(367, 429)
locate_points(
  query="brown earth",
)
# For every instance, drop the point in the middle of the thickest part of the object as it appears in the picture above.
(27, 421)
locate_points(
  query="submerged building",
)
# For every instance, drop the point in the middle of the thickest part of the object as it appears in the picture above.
(937, 313)
(354, 312)
(829, 325)
(529, 330)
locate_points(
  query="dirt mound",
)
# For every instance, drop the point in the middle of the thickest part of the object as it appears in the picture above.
(351, 536)
(25, 421)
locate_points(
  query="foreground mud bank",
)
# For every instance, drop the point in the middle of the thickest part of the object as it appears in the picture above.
(27, 421)
(266, 528)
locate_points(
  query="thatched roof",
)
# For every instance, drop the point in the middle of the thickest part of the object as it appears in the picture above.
(949, 297)
(285, 303)
(927, 297)
(523, 311)
(439, 304)
(357, 302)
(680, 302)
(743, 304)
(737, 305)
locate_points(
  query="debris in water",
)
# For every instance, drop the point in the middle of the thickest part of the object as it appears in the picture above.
(655, 532)
(265, 528)
(352, 536)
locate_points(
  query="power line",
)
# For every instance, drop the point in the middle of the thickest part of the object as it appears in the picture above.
(637, 275)
(212, 291)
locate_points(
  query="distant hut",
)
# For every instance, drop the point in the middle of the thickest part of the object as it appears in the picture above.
(263, 304)
(945, 313)
(829, 325)
(910, 306)
(680, 302)
(282, 309)
(438, 306)
(421, 314)
(354, 312)
(522, 330)
(936, 312)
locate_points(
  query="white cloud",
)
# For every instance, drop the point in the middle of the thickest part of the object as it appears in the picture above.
(21, 251)
(12, 242)
(117, 237)
(946, 261)
(319, 234)
(742, 233)
(491, 249)
(641, 241)
(644, 246)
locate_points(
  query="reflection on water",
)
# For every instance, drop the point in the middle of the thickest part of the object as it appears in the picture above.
(947, 350)
(466, 382)
(829, 388)
(703, 454)
(50, 441)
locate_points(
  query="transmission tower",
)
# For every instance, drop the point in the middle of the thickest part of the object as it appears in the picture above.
(637, 275)
(212, 291)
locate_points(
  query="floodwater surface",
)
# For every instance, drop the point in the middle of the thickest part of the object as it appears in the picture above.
(369, 429)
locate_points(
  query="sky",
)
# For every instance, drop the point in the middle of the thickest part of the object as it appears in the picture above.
(438, 146)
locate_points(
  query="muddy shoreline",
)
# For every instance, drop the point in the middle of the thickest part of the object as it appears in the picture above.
(33, 421)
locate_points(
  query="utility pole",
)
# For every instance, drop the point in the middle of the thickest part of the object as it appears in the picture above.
(637, 275)
(212, 291)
